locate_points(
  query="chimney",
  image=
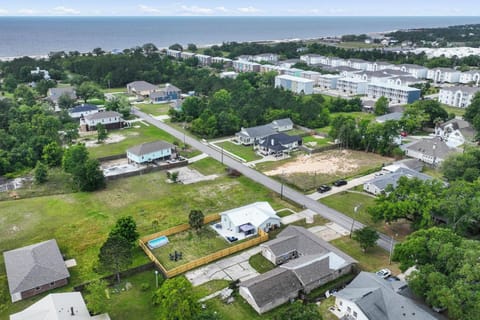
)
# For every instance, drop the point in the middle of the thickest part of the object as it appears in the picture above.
(71, 311)
(273, 142)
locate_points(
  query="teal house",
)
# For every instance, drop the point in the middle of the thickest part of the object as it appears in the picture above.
(150, 151)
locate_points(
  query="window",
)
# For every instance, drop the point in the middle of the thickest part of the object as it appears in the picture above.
(349, 309)
(341, 303)
(37, 288)
(52, 284)
(355, 314)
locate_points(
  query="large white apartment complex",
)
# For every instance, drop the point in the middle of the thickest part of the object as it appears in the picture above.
(295, 84)
(460, 96)
(352, 86)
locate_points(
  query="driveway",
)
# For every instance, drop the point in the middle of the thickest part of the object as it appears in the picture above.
(351, 184)
(231, 268)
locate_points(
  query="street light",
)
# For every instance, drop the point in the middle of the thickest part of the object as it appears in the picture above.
(156, 278)
(355, 210)
(281, 187)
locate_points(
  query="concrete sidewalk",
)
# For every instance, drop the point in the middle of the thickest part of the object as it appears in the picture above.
(351, 184)
(197, 158)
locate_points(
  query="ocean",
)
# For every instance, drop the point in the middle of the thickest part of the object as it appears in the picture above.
(34, 36)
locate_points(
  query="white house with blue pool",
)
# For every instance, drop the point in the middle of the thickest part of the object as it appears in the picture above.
(150, 151)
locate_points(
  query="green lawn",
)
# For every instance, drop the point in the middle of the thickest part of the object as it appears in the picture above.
(154, 109)
(245, 152)
(346, 201)
(192, 245)
(133, 137)
(295, 132)
(208, 166)
(210, 287)
(114, 90)
(457, 111)
(80, 222)
(314, 142)
(260, 263)
(373, 260)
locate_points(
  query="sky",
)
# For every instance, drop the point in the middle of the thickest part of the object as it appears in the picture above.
(240, 8)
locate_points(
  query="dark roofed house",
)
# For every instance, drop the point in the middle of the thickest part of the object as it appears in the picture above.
(168, 93)
(141, 88)
(82, 110)
(371, 297)
(306, 262)
(150, 151)
(278, 144)
(35, 269)
(110, 119)
(248, 136)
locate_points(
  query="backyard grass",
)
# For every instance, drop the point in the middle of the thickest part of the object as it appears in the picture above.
(457, 111)
(345, 202)
(295, 132)
(80, 222)
(210, 287)
(245, 152)
(373, 260)
(260, 263)
(133, 136)
(208, 166)
(314, 142)
(324, 305)
(154, 109)
(193, 245)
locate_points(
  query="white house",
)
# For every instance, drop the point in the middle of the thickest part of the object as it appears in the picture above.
(459, 96)
(378, 185)
(370, 297)
(46, 75)
(431, 151)
(58, 306)
(150, 151)
(141, 88)
(417, 71)
(248, 219)
(295, 84)
(455, 132)
(282, 124)
(313, 59)
(110, 119)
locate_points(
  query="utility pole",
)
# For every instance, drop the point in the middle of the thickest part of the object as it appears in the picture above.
(355, 210)
(391, 248)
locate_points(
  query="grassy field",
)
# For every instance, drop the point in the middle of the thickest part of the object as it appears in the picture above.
(112, 90)
(208, 166)
(245, 152)
(80, 222)
(346, 201)
(192, 245)
(457, 111)
(373, 260)
(154, 109)
(260, 263)
(313, 142)
(133, 136)
(357, 45)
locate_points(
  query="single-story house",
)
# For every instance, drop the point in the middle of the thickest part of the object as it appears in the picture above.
(282, 124)
(455, 132)
(378, 185)
(307, 262)
(279, 143)
(431, 151)
(248, 136)
(35, 269)
(82, 110)
(141, 88)
(168, 93)
(54, 94)
(111, 120)
(248, 219)
(150, 151)
(58, 306)
(370, 297)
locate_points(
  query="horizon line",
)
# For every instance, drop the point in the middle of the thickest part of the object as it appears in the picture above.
(237, 16)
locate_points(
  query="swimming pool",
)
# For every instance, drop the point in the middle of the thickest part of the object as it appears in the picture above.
(157, 242)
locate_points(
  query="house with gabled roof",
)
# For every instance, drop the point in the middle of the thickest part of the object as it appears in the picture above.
(252, 135)
(35, 269)
(110, 119)
(82, 110)
(282, 124)
(304, 261)
(278, 144)
(455, 132)
(150, 151)
(379, 184)
(370, 297)
(165, 94)
(58, 306)
(54, 94)
(141, 88)
(431, 151)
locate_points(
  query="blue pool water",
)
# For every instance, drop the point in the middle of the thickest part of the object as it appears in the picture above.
(158, 242)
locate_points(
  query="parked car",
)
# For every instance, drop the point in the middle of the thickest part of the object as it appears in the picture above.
(340, 183)
(324, 188)
(384, 273)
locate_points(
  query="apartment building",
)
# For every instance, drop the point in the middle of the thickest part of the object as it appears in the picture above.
(394, 93)
(294, 84)
(459, 96)
(352, 86)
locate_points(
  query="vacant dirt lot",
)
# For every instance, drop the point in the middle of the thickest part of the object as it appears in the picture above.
(308, 171)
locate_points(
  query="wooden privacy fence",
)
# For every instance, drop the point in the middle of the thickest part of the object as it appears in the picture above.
(262, 237)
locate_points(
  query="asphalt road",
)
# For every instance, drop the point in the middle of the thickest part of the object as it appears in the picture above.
(328, 213)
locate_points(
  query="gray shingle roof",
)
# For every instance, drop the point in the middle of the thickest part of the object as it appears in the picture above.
(283, 122)
(435, 147)
(103, 115)
(397, 116)
(142, 86)
(309, 271)
(55, 93)
(149, 147)
(465, 89)
(33, 266)
(392, 178)
(380, 299)
(83, 108)
(269, 286)
(259, 131)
